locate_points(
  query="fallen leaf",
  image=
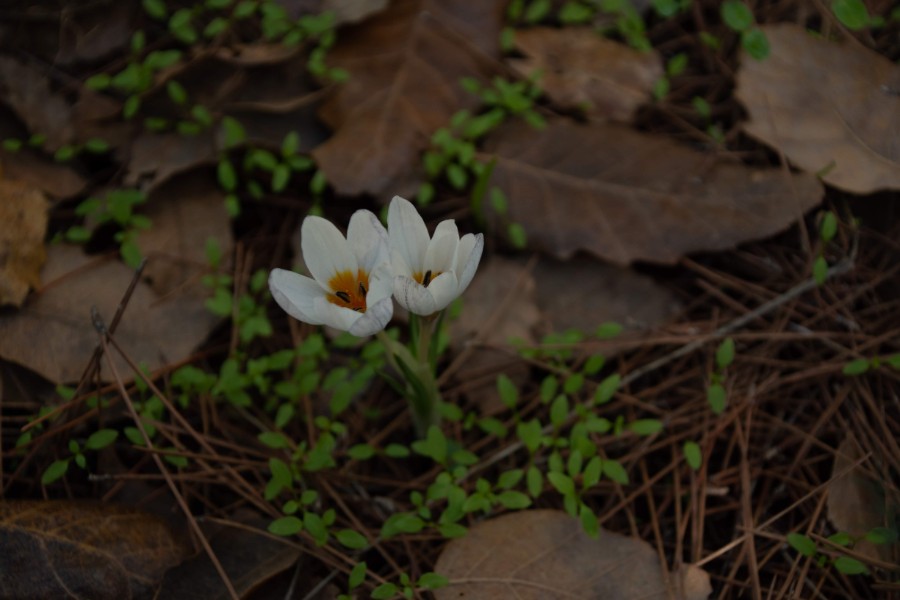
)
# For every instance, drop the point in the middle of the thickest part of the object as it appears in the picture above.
(832, 108)
(250, 557)
(28, 92)
(353, 11)
(93, 33)
(72, 549)
(57, 181)
(545, 555)
(23, 225)
(584, 71)
(155, 331)
(583, 293)
(395, 98)
(155, 157)
(625, 196)
(857, 503)
(499, 306)
(186, 212)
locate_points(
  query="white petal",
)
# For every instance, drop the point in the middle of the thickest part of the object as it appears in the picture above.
(381, 284)
(374, 319)
(296, 294)
(407, 232)
(468, 255)
(368, 240)
(441, 254)
(444, 289)
(325, 250)
(413, 296)
(334, 315)
(399, 265)
(448, 226)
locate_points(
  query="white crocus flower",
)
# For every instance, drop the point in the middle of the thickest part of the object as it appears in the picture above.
(351, 282)
(429, 272)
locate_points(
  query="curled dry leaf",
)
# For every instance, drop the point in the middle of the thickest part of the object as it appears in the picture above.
(23, 224)
(582, 70)
(153, 330)
(833, 109)
(625, 196)
(857, 502)
(69, 549)
(499, 306)
(397, 97)
(545, 555)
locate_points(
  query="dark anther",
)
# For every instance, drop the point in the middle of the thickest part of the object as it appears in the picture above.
(427, 279)
(359, 309)
(343, 296)
(362, 289)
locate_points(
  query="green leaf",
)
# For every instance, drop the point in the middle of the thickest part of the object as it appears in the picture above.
(645, 426)
(509, 395)
(96, 146)
(291, 144)
(857, 367)
(534, 480)
(614, 470)
(692, 454)
(853, 14)
(530, 434)
(130, 252)
(352, 539)
(537, 11)
(432, 581)
(281, 176)
(562, 482)
(591, 474)
(433, 446)
(286, 526)
(607, 388)
(361, 452)
(78, 234)
(841, 538)
(101, 439)
(850, 566)
(820, 270)
(155, 8)
(725, 353)
(715, 396)
(131, 106)
(828, 229)
(357, 575)
(882, 535)
(737, 15)
(233, 132)
(573, 383)
(396, 451)
(227, 176)
(273, 439)
(516, 234)
(575, 13)
(548, 388)
(385, 591)
(802, 544)
(593, 365)
(98, 82)
(176, 91)
(56, 470)
(513, 500)
(402, 523)
(509, 479)
(755, 43)
(589, 521)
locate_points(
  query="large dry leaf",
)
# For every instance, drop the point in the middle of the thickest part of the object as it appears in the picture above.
(545, 555)
(23, 224)
(584, 71)
(405, 65)
(28, 92)
(627, 196)
(583, 293)
(58, 181)
(857, 502)
(70, 549)
(831, 108)
(186, 212)
(53, 335)
(249, 556)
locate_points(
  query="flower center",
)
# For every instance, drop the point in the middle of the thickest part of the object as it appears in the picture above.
(426, 278)
(349, 290)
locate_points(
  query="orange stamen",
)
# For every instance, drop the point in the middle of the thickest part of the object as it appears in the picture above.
(349, 290)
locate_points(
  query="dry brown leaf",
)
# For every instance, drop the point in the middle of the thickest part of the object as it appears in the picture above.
(582, 70)
(583, 293)
(353, 11)
(72, 549)
(23, 224)
(53, 335)
(186, 212)
(159, 156)
(832, 108)
(94, 32)
(58, 181)
(499, 306)
(625, 196)
(399, 94)
(857, 503)
(545, 555)
(27, 91)
(249, 557)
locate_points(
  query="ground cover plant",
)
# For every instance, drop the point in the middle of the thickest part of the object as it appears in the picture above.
(419, 299)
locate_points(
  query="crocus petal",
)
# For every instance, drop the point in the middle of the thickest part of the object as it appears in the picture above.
(325, 250)
(295, 294)
(407, 232)
(468, 255)
(441, 253)
(368, 240)
(444, 289)
(333, 315)
(374, 319)
(413, 296)
(381, 284)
